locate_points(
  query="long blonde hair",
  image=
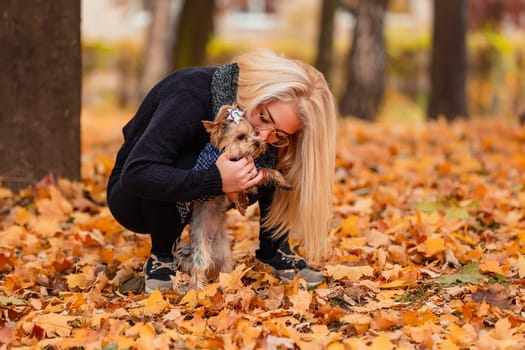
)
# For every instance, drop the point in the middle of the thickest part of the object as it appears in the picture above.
(308, 162)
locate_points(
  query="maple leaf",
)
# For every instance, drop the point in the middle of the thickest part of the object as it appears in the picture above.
(434, 245)
(351, 273)
(468, 274)
(52, 324)
(301, 302)
(233, 281)
(349, 227)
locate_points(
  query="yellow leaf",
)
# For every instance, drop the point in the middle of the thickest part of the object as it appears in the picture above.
(491, 266)
(233, 281)
(336, 346)
(349, 227)
(459, 335)
(434, 245)
(5, 193)
(381, 342)
(13, 237)
(464, 238)
(21, 215)
(54, 324)
(448, 344)
(56, 207)
(155, 303)
(359, 321)
(352, 273)
(521, 266)
(81, 280)
(301, 302)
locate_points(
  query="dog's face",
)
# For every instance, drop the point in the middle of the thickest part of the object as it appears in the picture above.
(235, 136)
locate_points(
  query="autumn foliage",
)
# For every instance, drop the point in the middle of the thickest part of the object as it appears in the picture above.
(427, 252)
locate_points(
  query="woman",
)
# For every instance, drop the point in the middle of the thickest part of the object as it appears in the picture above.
(290, 105)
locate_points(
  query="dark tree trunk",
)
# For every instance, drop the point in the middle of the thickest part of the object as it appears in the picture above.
(195, 27)
(365, 78)
(325, 42)
(40, 66)
(448, 69)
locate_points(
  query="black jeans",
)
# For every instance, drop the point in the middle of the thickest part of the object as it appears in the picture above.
(158, 218)
(162, 220)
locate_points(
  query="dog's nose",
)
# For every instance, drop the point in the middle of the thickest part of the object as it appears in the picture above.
(257, 143)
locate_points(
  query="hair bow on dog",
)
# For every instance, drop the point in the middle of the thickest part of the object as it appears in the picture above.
(235, 114)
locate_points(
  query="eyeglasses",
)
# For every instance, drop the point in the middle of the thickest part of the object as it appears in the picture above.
(268, 123)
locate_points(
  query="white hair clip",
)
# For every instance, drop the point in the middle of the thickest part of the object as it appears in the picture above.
(235, 114)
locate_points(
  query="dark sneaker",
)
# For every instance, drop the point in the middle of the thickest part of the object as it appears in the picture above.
(286, 265)
(158, 272)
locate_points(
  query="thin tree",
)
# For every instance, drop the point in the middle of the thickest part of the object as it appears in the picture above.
(40, 66)
(158, 54)
(325, 41)
(448, 70)
(365, 77)
(194, 29)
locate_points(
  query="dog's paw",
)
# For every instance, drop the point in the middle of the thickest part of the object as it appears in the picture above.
(285, 186)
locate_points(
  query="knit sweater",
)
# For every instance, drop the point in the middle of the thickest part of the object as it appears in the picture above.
(207, 158)
(163, 140)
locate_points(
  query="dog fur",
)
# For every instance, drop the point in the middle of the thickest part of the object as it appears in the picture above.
(209, 252)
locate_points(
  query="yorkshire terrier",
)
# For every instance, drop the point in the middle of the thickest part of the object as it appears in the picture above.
(209, 252)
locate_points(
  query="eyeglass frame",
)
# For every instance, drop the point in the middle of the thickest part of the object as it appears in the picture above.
(278, 133)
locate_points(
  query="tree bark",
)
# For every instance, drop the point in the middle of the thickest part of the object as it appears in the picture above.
(194, 30)
(325, 42)
(159, 44)
(40, 66)
(448, 70)
(365, 78)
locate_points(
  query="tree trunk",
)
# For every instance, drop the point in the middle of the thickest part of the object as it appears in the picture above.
(325, 42)
(365, 78)
(159, 43)
(195, 28)
(40, 66)
(448, 69)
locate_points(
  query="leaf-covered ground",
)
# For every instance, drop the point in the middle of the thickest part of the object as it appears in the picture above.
(427, 252)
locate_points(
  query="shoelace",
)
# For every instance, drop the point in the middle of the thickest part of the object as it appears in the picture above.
(291, 258)
(157, 265)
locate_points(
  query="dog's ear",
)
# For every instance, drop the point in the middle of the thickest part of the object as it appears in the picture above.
(215, 129)
(209, 126)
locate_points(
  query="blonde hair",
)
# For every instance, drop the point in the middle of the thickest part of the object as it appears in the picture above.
(308, 162)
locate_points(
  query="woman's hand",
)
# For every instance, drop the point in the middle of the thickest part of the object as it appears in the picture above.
(237, 175)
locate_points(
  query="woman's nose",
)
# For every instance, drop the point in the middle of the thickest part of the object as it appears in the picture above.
(265, 134)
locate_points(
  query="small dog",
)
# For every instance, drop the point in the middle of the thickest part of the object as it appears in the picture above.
(210, 251)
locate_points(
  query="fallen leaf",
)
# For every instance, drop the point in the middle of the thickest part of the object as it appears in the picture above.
(351, 273)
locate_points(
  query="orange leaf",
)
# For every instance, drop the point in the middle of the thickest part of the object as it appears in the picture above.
(349, 227)
(351, 273)
(434, 245)
(233, 281)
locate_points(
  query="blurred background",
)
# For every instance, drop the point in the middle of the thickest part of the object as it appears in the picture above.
(74, 72)
(128, 45)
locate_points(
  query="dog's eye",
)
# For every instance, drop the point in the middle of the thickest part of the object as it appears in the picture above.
(241, 137)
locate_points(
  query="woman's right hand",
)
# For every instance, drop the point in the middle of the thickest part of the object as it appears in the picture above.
(237, 175)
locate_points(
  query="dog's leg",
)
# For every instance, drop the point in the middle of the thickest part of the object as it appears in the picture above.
(200, 257)
(274, 177)
(222, 253)
(208, 223)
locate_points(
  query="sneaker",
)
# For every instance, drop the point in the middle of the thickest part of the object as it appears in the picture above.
(158, 273)
(286, 265)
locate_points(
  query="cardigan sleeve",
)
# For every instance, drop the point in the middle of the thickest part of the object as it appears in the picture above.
(153, 168)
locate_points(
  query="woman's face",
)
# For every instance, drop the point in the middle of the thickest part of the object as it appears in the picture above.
(276, 121)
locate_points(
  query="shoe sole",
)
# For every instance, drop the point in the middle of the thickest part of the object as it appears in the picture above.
(283, 278)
